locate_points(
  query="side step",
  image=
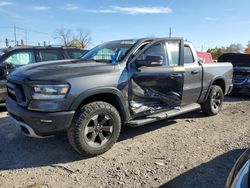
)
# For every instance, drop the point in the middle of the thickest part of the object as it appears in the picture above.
(164, 115)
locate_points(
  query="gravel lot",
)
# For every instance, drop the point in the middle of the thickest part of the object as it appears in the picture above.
(190, 151)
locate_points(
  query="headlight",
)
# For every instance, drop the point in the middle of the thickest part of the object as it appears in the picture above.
(50, 91)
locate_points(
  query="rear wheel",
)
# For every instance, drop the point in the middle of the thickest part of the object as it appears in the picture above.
(95, 129)
(214, 102)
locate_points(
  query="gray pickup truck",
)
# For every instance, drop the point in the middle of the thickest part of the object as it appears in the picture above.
(125, 82)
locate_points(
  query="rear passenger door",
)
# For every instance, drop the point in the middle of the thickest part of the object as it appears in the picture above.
(49, 55)
(193, 77)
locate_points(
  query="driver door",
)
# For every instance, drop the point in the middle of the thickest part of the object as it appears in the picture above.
(155, 88)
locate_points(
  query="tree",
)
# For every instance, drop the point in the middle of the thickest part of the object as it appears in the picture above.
(234, 48)
(83, 37)
(64, 35)
(75, 43)
(80, 38)
(247, 50)
(216, 52)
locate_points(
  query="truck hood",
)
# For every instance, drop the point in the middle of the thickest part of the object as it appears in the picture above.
(63, 69)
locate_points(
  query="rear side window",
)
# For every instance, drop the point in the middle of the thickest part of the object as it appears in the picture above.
(21, 58)
(188, 55)
(75, 54)
(173, 49)
(50, 55)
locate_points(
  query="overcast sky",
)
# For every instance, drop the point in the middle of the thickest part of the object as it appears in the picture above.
(207, 23)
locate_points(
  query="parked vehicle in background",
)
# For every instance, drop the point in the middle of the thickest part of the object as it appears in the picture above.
(241, 67)
(11, 58)
(239, 176)
(125, 82)
(206, 57)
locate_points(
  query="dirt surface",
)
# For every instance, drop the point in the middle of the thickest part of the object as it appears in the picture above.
(190, 151)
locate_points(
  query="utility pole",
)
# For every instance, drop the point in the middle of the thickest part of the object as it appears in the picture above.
(170, 32)
(7, 42)
(15, 34)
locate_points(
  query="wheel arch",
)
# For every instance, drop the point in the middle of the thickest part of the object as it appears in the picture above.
(219, 81)
(106, 94)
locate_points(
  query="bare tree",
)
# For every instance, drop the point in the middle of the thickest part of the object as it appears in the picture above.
(234, 48)
(84, 37)
(80, 38)
(64, 35)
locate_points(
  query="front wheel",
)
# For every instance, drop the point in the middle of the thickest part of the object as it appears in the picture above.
(95, 128)
(214, 102)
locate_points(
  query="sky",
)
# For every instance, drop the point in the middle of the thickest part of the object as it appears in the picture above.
(205, 23)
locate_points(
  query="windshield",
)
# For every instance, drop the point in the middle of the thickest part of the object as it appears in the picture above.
(110, 52)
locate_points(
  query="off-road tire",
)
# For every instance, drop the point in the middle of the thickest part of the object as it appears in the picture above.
(82, 119)
(208, 107)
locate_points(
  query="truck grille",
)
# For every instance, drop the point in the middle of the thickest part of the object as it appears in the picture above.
(15, 91)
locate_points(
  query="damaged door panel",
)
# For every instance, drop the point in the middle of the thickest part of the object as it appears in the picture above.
(157, 79)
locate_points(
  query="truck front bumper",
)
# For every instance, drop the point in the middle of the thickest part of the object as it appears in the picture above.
(38, 124)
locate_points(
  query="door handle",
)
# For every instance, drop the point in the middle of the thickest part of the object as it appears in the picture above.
(195, 72)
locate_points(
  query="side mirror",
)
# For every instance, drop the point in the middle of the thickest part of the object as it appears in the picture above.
(6, 65)
(200, 61)
(150, 61)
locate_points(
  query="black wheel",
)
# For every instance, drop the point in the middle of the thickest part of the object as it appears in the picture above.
(95, 128)
(214, 102)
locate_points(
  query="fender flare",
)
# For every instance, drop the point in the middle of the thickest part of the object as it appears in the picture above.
(123, 105)
(212, 83)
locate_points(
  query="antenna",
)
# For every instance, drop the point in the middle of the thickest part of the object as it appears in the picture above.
(15, 34)
(170, 32)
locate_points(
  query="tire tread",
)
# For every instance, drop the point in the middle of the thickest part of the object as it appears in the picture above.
(74, 132)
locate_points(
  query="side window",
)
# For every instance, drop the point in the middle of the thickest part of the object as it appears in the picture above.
(188, 55)
(155, 50)
(21, 58)
(173, 49)
(50, 55)
(75, 54)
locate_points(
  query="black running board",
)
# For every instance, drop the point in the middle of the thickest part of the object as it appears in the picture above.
(164, 115)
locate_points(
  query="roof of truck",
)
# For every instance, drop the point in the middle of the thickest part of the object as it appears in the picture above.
(5, 50)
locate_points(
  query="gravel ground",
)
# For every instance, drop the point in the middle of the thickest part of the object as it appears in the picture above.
(190, 151)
